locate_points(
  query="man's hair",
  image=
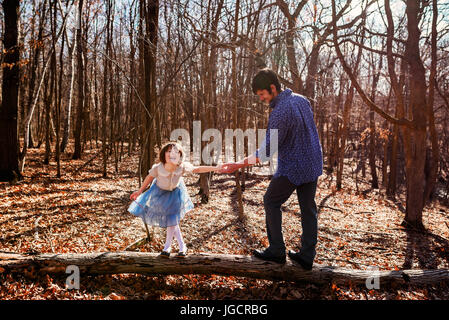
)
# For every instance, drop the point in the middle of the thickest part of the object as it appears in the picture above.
(263, 79)
(167, 147)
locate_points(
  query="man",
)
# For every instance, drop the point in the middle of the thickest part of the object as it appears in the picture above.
(300, 163)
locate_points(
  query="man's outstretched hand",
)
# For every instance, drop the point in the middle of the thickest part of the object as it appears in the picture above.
(229, 167)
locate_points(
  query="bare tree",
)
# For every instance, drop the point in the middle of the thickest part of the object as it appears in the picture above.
(9, 156)
(414, 124)
(81, 80)
(149, 15)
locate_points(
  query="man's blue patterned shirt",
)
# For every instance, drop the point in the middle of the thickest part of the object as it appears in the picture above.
(300, 157)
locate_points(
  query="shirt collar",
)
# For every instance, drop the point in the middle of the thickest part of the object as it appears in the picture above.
(282, 95)
(166, 172)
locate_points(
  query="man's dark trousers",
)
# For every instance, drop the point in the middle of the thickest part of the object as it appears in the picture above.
(279, 190)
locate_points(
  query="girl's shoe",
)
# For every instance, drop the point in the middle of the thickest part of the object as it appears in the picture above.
(182, 254)
(165, 254)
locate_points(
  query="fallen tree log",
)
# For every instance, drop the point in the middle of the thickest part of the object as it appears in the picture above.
(205, 264)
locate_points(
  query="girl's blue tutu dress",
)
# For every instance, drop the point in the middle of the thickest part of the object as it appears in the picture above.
(163, 208)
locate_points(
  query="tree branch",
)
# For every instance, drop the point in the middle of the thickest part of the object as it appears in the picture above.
(203, 263)
(359, 89)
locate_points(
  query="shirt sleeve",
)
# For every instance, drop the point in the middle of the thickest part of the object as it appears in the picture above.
(153, 171)
(279, 121)
(188, 167)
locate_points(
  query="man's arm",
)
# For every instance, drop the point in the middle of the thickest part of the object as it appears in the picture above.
(279, 121)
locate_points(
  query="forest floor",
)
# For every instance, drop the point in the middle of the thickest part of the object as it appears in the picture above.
(84, 212)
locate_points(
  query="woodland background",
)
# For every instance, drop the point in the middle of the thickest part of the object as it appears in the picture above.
(91, 89)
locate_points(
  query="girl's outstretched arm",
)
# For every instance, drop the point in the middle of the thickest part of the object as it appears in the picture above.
(145, 184)
(203, 169)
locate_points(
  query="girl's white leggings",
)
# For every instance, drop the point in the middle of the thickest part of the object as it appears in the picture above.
(174, 231)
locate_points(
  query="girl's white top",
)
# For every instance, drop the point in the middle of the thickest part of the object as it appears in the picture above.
(169, 180)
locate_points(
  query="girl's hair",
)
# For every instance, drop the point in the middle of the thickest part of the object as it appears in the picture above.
(167, 147)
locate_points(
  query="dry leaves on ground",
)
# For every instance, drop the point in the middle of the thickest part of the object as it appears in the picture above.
(84, 212)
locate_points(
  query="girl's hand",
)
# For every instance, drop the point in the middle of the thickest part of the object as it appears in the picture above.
(229, 167)
(134, 195)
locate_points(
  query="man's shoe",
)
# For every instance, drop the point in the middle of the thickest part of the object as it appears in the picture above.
(264, 255)
(295, 257)
(165, 254)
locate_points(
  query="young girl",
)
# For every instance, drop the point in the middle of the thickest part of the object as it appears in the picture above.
(166, 202)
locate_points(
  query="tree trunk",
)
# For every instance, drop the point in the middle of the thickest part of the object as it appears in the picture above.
(335, 127)
(399, 113)
(236, 113)
(58, 93)
(311, 75)
(372, 140)
(68, 112)
(9, 157)
(209, 71)
(107, 70)
(48, 98)
(150, 13)
(133, 122)
(435, 155)
(34, 66)
(290, 42)
(392, 177)
(416, 151)
(220, 264)
(52, 79)
(81, 79)
(345, 128)
(372, 154)
(343, 137)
